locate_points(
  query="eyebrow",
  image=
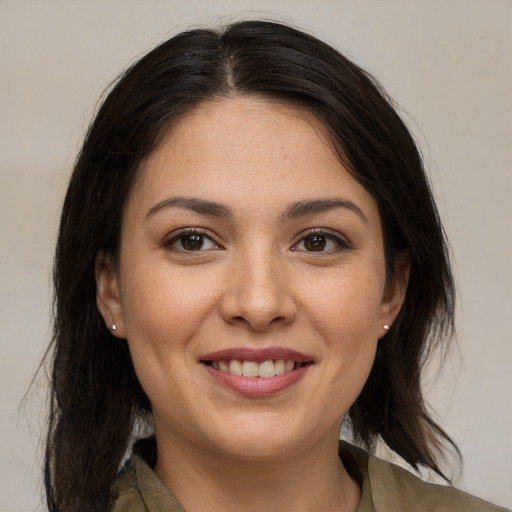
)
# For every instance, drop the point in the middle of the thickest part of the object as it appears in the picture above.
(202, 206)
(294, 211)
(316, 206)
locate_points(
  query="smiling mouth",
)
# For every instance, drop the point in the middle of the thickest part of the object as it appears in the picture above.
(264, 369)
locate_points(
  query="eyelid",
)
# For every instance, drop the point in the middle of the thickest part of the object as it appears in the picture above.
(341, 240)
(175, 235)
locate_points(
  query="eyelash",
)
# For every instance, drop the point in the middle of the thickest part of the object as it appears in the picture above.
(168, 244)
(329, 235)
(340, 243)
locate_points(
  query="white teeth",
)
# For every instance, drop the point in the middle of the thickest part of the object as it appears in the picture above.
(250, 369)
(235, 367)
(265, 369)
(279, 366)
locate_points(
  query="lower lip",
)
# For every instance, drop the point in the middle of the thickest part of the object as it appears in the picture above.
(258, 386)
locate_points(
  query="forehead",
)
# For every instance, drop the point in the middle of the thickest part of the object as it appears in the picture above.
(247, 150)
(241, 128)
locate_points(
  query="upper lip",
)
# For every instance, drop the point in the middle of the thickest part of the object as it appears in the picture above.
(256, 354)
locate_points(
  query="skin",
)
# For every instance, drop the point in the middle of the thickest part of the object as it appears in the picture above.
(255, 283)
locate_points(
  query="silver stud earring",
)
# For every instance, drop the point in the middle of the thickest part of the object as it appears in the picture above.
(114, 327)
(385, 327)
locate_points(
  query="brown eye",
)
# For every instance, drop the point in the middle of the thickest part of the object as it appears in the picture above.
(192, 242)
(315, 243)
(321, 242)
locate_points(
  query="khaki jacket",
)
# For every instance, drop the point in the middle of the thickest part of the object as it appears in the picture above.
(386, 487)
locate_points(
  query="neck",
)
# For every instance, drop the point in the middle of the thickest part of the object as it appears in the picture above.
(309, 480)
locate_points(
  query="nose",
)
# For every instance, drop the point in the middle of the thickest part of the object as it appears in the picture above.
(258, 292)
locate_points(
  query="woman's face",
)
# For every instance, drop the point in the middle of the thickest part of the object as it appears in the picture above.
(247, 248)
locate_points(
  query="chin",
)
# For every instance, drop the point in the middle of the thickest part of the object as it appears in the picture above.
(257, 439)
(259, 448)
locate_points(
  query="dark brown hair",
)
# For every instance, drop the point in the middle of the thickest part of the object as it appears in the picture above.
(95, 394)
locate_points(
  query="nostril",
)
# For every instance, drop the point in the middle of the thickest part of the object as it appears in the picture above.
(256, 310)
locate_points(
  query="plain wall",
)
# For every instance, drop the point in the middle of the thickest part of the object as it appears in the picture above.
(448, 63)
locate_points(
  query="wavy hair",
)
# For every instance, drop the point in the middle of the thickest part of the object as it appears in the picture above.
(95, 394)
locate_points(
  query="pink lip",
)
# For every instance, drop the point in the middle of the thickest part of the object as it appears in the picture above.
(259, 355)
(257, 386)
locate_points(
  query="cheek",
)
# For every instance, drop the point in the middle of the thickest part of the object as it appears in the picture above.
(346, 304)
(346, 312)
(164, 312)
(162, 320)
(163, 309)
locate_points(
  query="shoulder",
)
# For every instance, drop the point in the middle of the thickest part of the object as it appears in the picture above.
(125, 494)
(395, 489)
(138, 489)
(391, 488)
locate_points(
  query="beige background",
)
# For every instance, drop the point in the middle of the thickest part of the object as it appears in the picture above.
(448, 63)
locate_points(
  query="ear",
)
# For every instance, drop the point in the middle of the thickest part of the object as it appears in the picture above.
(394, 292)
(107, 294)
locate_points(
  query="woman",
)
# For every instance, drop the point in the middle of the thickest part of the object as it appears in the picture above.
(248, 252)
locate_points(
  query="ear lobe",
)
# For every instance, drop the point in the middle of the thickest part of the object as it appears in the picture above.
(394, 292)
(107, 294)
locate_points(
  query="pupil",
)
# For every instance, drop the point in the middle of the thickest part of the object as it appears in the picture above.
(315, 243)
(192, 242)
